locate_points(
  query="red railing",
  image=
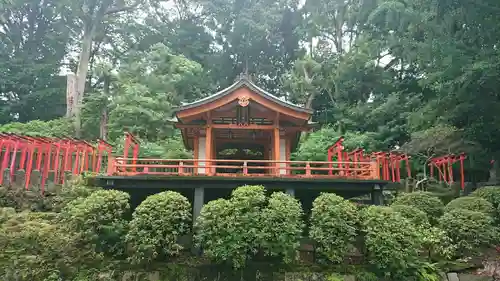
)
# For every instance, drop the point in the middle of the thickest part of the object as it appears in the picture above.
(253, 168)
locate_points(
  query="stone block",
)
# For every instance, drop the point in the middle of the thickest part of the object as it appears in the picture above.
(19, 178)
(154, 276)
(35, 180)
(6, 177)
(452, 276)
(349, 278)
(472, 277)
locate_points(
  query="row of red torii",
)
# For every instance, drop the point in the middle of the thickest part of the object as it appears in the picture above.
(54, 158)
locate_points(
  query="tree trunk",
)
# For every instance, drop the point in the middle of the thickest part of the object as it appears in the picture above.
(103, 128)
(81, 76)
(310, 99)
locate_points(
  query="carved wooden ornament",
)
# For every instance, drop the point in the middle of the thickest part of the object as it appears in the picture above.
(243, 100)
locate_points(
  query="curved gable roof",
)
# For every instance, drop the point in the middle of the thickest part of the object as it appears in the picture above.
(243, 82)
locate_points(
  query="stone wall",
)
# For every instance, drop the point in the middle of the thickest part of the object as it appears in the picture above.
(284, 276)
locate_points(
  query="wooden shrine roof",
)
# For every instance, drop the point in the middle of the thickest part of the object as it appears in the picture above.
(243, 81)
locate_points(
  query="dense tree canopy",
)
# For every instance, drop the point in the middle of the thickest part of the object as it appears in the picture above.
(388, 73)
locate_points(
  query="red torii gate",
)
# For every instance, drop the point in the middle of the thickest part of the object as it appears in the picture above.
(44, 154)
(390, 163)
(131, 140)
(444, 166)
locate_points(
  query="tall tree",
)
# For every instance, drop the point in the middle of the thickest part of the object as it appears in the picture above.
(33, 40)
(90, 16)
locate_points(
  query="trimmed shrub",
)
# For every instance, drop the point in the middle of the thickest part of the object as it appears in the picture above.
(490, 193)
(471, 203)
(21, 199)
(282, 227)
(236, 230)
(392, 242)
(424, 201)
(100, 217)
(333, 226)
(416, 216)
(6, 213)
(470, 231)
(157, 224)
(34, 248)
(70, 193)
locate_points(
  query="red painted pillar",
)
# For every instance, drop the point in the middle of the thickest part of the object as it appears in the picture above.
(462, 176)
(5, 160)
(330, 166)
(29, 167)
(46, 166)
(450, 171)
(56, 162)
(135, 155)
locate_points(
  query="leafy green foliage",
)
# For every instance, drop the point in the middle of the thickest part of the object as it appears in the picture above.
(235, 230)
(100, 217)
(315, 145)
(424, 201)
(392, 242)
(333, 226)
(157, 224)
(282, 227)
(6, 213)
(21, 199)
(53, 128)
(471, 203)
(73, 191)
(470, 231)
(35, 247)
(416, 216)
(490, 193)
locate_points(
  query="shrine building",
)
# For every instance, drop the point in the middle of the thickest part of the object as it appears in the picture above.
(243, 135)
(247, 121)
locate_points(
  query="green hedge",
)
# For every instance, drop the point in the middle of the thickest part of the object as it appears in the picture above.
(415, 215)
(490, 193)
(157, 224)
(333, 226)
(471, 203)
(100, 217)
(248, 224)
(423, 201)
(392, 242)
(469, 231)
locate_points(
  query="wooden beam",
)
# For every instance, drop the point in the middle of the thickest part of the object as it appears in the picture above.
(236, 127)
(277, 149)
(233, 96)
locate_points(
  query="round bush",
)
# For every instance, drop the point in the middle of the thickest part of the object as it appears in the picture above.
(333, 226)
(282, 226)
(69, 194)
(490, 193)
(392, 242)
(416, 216)
(235, 230)
(100, 217)
(424, 201)
(157, 223)
(469, 231)
(471, 203)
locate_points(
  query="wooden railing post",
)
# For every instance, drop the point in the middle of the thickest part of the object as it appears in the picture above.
(111, 165)
(245, 168)
(181, 168)
(308, 169)
(375, 171)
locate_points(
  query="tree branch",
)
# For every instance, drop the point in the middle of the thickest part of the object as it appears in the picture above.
(123, 9)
